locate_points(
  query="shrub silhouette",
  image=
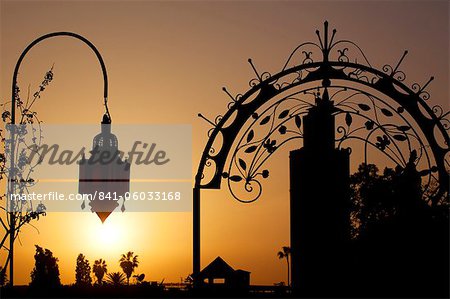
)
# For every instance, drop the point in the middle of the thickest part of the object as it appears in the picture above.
(3, 277)
(116, 279)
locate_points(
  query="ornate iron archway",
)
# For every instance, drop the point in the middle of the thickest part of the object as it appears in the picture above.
(378, 112)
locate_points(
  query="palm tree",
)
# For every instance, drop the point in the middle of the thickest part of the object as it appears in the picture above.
(286, 253)
(128, 262)
(116, 278)
(99, 268)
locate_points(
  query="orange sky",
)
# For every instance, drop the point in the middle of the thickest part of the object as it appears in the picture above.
(166, 62)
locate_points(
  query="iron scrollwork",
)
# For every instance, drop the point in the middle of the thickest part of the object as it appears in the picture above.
(399, 124)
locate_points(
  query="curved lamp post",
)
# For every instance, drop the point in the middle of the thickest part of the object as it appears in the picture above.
(12, 216)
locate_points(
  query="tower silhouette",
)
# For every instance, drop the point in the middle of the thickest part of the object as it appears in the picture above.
(320, 205)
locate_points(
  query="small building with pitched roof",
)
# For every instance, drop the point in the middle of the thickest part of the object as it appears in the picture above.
(218, 274)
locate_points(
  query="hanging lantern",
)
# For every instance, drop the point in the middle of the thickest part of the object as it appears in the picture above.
(104, 177)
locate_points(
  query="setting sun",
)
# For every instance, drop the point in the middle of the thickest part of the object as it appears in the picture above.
(109, 233)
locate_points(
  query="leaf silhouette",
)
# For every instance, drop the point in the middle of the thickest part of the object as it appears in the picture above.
(265, 120)
(386, 112)
(250, 136)
(348, 119)
(364, 107)
(235, 178)
(250, 149)
(369, 125)
(399, 137)
(424, 172)
(283, 114)
(403, 128)
(242, 164)
(298, 121)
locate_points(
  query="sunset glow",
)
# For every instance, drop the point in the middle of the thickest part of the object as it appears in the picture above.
(168, 61)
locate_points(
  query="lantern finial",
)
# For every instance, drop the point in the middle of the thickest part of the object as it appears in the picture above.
(106, 119)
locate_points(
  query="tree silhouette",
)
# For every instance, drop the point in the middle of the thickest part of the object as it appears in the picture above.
(116, 279)
(99, 268)
(128, 262)
(387, 199)
(46, 271)
(399, 236)
(373, 197)
(286, 253)
(83, 271)
(23, 212)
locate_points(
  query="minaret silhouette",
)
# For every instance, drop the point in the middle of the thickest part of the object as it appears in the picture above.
(320, 219)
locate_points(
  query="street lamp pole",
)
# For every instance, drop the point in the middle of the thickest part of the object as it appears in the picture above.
(14, 93)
